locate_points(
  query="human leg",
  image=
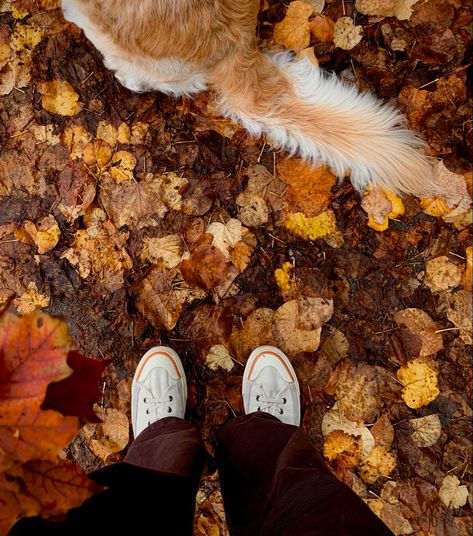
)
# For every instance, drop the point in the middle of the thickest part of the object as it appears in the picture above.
(273, 480)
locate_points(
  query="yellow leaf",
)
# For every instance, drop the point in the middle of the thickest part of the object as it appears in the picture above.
(343, 448)
(97, 152)
(451, 493)
(283, 277)
(398, 205)
(121, 166)
(434, 207)
(75, 138)
(219, 358)
(420, 383)
(26, 36)
(107, 132)
(18, 13)
(378, 226)
(379, 463)
(294, 31)
(311, 228)
(59, 98)
(31, 300)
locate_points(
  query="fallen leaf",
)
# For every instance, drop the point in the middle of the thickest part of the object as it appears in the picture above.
(379, 463)
(284, 277)
(45, 233)
(219, 358)
(459, 312)
(225, 235)
(468, 274)
(166, 251)
(121, 167)
(334, 419)
(253, 210)
(421, 334)
(97, 152)
(136, 204)
(356, 387)
(100, 252)
(427, 430)
(31, 300)
(26, 36)
(77, 394)
(420, 383)
(401, 9)
(293, 31)
(383, 432)
(451, 493)
(291, 339)
(311, 228)
(112, 134)
(322, 27)
(381, 205)
(441, 274)
(111, 435)
(452, 189)
(48, 488)
(345, 34)
(59, 97)
(342, 449)
(309, 189)
(313, 313)
(33, 354)
(207, 267)
(255, 331)
(161, 296)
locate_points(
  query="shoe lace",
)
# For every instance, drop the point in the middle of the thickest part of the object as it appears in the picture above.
(269, 404)
(159, 407)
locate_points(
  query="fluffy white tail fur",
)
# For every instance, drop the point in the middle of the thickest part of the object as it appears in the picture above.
(312, 113)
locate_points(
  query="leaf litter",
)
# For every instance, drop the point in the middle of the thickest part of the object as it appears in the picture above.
(144, 220)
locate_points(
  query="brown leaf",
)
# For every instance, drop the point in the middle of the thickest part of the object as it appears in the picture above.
(420, 326)
(357, 388)
(161, 296)
(207, 267)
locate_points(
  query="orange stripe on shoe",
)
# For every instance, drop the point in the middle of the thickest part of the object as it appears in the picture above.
(275, 355)
(153, 355)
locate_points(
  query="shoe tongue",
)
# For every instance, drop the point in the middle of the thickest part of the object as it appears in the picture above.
(271, 382)
(157, 382)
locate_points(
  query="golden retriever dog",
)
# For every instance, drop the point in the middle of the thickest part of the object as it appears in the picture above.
(182, 47)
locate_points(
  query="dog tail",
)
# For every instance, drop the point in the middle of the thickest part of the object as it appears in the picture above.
(311, 113)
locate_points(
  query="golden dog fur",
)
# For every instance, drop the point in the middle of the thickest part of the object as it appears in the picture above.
(182, 47)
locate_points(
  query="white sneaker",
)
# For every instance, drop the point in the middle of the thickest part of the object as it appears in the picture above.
(159, 388)
(270, 385)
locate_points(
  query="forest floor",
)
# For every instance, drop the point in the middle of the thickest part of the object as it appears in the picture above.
(145, 220)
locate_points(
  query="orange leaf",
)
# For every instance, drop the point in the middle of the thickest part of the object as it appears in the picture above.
(33, 351)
